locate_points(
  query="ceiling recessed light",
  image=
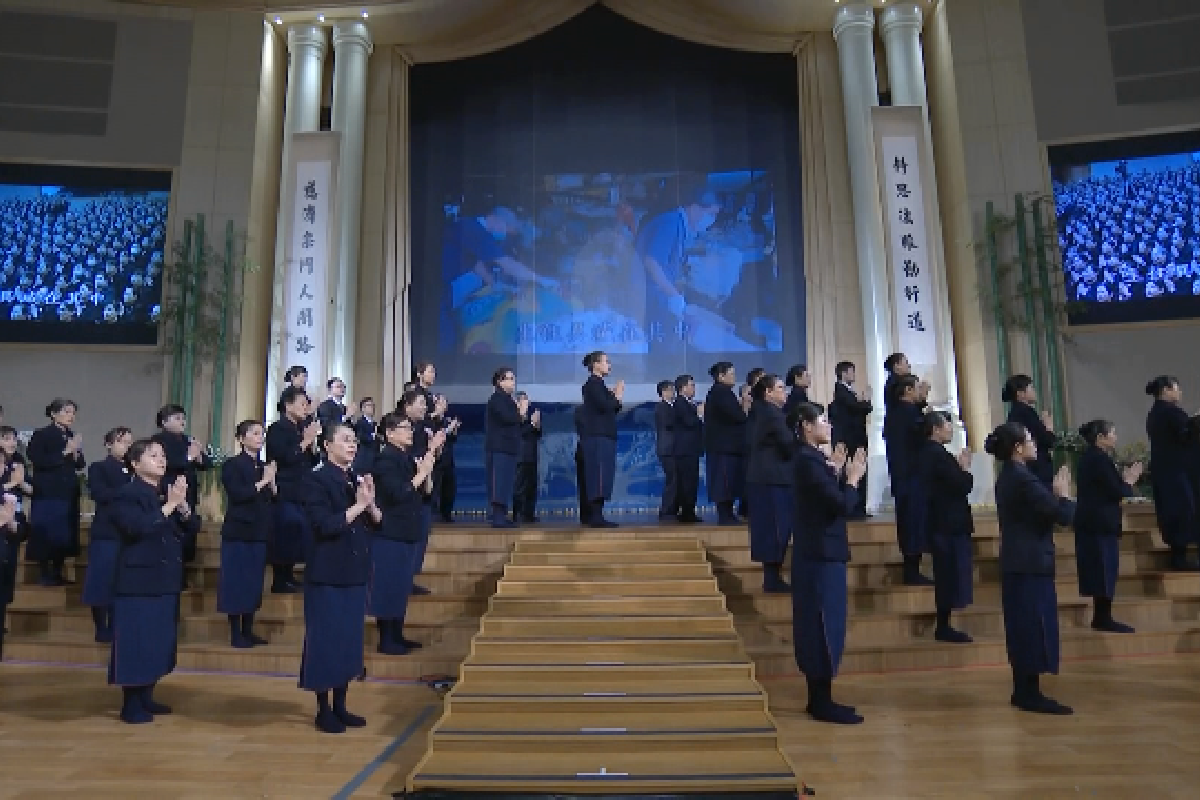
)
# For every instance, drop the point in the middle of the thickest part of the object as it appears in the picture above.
(320, 18)
(279, 20)
(364, 15)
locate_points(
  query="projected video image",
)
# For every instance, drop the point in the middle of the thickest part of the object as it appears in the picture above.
(1129, 231)
(625, 263)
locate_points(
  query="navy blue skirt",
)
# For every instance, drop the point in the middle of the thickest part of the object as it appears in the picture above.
(291, 534)
(145, 635)
(770, 522)
(600, 467)
(1030, 622)
(426, 530)
(910, 516)
(953, 571)
(725, 476)
(392, 568)
(501, 472)
(818, 616)
(54, 527)
(101, 578)
(334, 617)
(240, 587)
(1098, 559)
(9, 561)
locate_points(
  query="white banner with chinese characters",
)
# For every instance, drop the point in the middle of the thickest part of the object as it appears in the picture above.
(309, 273)
(910, 255)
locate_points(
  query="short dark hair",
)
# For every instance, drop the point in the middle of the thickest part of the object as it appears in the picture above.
(1091, 431)
(1016, 383)
(804, 412)
(841, 368)
(499, 374)
(794, 373)
(682, 381)
(754, 376)
(244, 427)
(329, 383)
(662, 386)
(137, 450)
(391, 422)
(934, 420)
(891, 361)
(58, 404)
(289, 396)
(168, 411)
(420, 367)
(591, 358)
(410, 397)
(763, 385)
(720, 368)
(294, 372)
(110, 437)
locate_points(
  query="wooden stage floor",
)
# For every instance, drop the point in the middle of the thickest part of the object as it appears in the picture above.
(943, 734)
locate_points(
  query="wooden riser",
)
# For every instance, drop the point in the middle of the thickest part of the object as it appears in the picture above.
(604, 678)
(606, 588)
(583, 627)
(599, 572)
(591, 544)
(700, 605)
(559, 713)
(523, 558)
(609, 685)
(668, 743)
(581, 651)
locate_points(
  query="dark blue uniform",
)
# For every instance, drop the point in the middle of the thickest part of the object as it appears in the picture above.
(585, 507)
(1027, 513)
(1027, 415)
(725, 447)
(335, 590)
(368, 446)
(599, 419)
(948, 524)
(10, 547)
(105, 480)
(175, 446)
(291, 533)
(902, 431)
(1170, 463)
(330, 412)
(1098, 522)
(689, 446)
(423, 431)
(525, 486)
(664, 448)
(769, 479)
(245, 532)
(54, 516)
(394, 545)
(795, 398)
(502, 445)
(848, 416)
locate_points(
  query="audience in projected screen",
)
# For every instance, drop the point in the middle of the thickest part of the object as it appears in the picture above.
(81, 259)
(1132, 235)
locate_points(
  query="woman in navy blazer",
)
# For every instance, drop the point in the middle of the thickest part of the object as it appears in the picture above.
(341, 509)
(825, 494)
(599, 418)
(947, 483)
(502, 443)
(401, 485)
(14, 481)
(414, 406)
(1171, 454)
(724, 442)
(904, 435)
(291, 444)
(105, 479)
(1028, 512)
(186, 457)
(56, 455)
(250, 489)
(769, 479)
(1101, 488)
(149, 579)
(1020, 392)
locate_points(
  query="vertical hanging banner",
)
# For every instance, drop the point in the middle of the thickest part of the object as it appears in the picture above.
(308, 277)
(908, 243)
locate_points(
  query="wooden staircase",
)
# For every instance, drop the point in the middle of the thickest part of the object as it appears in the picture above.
(606, 666)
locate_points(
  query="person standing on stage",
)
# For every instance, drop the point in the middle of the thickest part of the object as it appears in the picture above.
(600, 407)
(798, 382)
(401, 485)
(10, 531)
(296, 377)
(149, 578)
(664, 448)
(525, 486)
(585, 507)
(848, 413)
(425, 440)
(332, 410)
(689, 446)
(250, 488)
(1028, 512)
(341, 510)
(1175, 504)
(947, 483)
(56, 454)
(724, 442)
(825, 492)
(1101, 488)
(903, 430)
(769, 479)
(752, 406)
(445, 479)
(364, 428)
(186, 457)
(291, 445)
(1020, 392)
(105, 479)
(502, 443)
(895, 366)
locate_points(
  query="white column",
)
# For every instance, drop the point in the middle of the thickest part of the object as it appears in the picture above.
(302, 114)
(351, 47)
(901, 28)
(852, 28)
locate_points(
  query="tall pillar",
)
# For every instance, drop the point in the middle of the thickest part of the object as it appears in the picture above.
(302, 114)
(352, 47)
(852, 28)
(901, 26)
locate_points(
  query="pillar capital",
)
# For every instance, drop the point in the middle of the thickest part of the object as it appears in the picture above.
(901, 17)
(307, 37)
(352, 33)
(855, 17)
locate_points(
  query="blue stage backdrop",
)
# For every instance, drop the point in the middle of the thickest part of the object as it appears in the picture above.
(639, 477)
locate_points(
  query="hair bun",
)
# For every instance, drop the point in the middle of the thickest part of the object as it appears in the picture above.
(1006, 395)
(989, 444)
(1152, 387)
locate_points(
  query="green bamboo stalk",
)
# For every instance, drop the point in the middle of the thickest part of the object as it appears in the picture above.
(218, 401)
(1027, 279)
(183, 269)
(195, 279)
(997, 301)
(1053, 364)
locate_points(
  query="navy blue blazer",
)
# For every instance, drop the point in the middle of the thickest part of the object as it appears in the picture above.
(292, 463)
(772, 447)
(175, 446)
(724, 422)
(54, 475)
(151, 559)
(1028, 511)
(530, 434)
(105, 479)
(330, 412)
(364, 429)
(249, 513)
(902, 429)
(664, 427)
(400, 503)
(1170, 442)
(822, 502)
(795, 397)
(341, 553)
(600, 407)
(848, 416)
(1045, 439)
(947, 491)
(689, 430)
(502, 424)
(1101, 490)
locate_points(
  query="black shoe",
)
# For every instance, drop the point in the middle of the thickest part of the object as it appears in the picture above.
(834, 713)
(284, 588)
(104, 636)
(350, 720)
(1111, 626)
(157, 709)
(668, 517)
(503, 523)
(410, 644)
(329, 722)
(392, 649)
(689, 519)
(420, 590)
(952, 636)
(531, 520)
(256, 640)
(776, 585)
(240, 642)
(604, 523)
(1040, 704)
(447, 519)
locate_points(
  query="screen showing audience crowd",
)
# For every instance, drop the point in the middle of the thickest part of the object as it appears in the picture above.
(82, 252)
(1129, 229)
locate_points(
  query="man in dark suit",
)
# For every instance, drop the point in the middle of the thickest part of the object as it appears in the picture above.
(664, 447)
(688, 447)
(848, 415)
